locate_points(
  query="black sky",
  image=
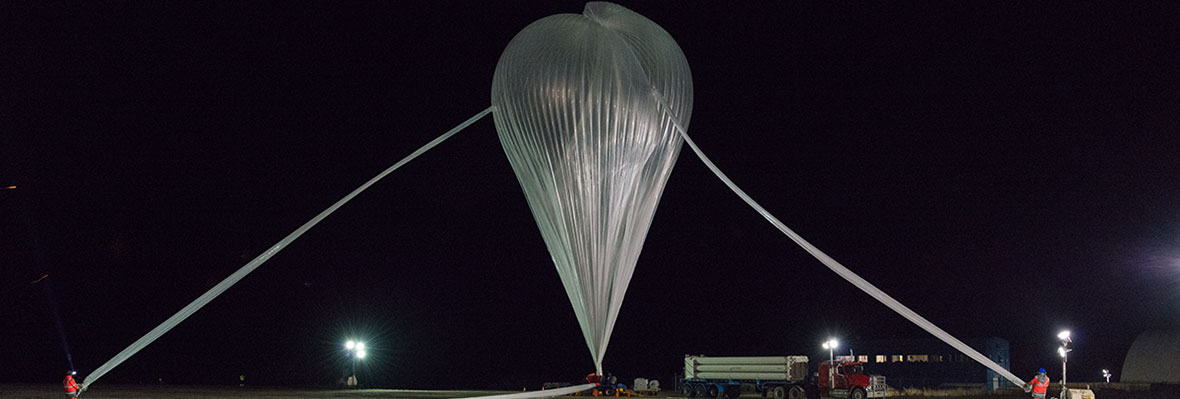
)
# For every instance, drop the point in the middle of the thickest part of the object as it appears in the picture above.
(1005, 169)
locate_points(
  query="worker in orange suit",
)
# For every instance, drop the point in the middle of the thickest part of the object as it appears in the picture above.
(72, 387)
(1039, 385)
(595, 379)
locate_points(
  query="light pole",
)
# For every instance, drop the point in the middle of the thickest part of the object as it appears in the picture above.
(356, 350)
(830, 345)
(1064, 350)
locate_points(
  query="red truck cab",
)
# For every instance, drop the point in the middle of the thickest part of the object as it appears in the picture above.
(851, 381)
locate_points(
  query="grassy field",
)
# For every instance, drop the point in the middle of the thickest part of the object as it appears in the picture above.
(21, 391)
(189, 392)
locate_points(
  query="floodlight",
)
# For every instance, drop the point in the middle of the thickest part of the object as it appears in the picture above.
(827, 345)
(1061, 351)
(1064, 335)
(833, 343)
(350, 344)
(360, 346)
(360, 354)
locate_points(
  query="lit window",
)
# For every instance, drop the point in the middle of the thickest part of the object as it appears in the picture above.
(895, 358)
(862, 359)
(882, 358)
(917, 358)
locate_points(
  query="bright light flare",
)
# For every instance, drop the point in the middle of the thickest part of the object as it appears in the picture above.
(1064, 335)
(360, 354)
(831, 344)
(350, 344)
(360, 346)
(1061, 351)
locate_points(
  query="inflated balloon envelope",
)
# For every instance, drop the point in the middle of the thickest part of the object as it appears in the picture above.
(584, 106)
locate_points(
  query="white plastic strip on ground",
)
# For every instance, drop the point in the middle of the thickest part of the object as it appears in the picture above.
(848, 274)
(546, 393)
(258, 261)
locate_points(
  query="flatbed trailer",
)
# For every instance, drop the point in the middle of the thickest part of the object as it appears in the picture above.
(780, 377)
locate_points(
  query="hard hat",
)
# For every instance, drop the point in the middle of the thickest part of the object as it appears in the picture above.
(1042, 371)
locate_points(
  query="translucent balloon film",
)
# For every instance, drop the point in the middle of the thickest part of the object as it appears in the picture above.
(576, 108)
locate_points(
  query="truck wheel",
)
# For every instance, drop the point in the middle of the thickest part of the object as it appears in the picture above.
(686, 390)
(699, 391)
(797, 392)
(780, 393)
(733, 391)
(712, 391)
(857, 393)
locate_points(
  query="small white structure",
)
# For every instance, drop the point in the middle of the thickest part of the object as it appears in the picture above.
(646, 385)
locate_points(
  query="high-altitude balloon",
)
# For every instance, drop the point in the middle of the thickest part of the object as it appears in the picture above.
(584, 107)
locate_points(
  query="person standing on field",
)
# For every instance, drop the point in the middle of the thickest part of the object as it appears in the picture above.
(1039, 385)
(72, 387)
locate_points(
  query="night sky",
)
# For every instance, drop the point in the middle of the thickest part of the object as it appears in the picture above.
(1004, 169)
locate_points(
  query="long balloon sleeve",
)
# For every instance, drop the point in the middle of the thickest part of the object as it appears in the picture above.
(208, 296)
(852, 277)
(590, 146)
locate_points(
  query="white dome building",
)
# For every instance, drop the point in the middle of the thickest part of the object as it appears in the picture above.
(1154, 358)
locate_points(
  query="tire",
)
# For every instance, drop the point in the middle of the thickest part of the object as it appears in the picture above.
(780, 393)
(686, 390)
(796, 392)
(733, 391)
(711, 391)
(858, 393)
(698, 391)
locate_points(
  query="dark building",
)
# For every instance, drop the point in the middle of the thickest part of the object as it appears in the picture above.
(929, 363)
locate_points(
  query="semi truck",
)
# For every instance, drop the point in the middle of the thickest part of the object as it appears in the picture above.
(851, 381)
(778, 377)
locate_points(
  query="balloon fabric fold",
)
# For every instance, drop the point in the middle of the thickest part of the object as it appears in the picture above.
(577, 101)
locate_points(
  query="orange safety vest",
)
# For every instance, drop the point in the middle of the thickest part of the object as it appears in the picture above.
(71, 386)
(1039, 386)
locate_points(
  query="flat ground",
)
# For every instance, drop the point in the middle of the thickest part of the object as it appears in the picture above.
(54, 391)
